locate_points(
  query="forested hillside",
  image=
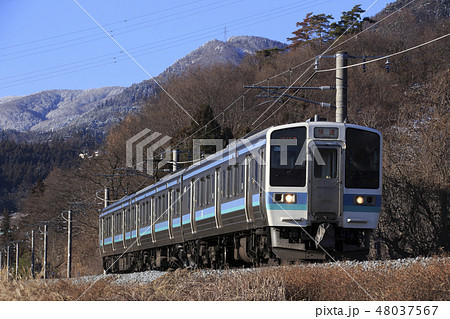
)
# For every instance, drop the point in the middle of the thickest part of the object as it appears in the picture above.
(409, 105)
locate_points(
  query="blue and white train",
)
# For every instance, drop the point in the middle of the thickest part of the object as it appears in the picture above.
(290, 192)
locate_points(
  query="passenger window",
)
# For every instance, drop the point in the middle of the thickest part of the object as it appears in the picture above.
(224, 184)
(242, 177)
(236, 180)
(177, 202)
(158, 207)
(229, 182)
(164, 212)
(202, 192)
(208, 190)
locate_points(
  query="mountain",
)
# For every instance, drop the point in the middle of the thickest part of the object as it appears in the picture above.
(50, 110)
(215, 51)
(95, 109)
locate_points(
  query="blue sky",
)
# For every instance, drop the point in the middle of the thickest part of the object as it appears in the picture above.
(54, 44)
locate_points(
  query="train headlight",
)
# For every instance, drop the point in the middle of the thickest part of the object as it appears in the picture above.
(360, 200)
(285, 198)
(289, 198)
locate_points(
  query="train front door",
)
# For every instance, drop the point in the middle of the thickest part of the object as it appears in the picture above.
(325, 182)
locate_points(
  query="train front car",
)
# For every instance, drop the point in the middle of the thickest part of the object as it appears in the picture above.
(323, 189)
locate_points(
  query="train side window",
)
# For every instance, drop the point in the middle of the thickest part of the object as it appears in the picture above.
(208, 190)
(133, 217)
(229, 181)
(107, 230)
(242, 177)
(164, 205)
(117, 221)
(177, 203)
(236, 180)
(261, 168)
(251, 169)
(127, 220)
(256, 175)
(153, 210)
(196, 193)
(187, 200)
(145, 213)
(212, 188)
(202, 192)
(158, 207)
(224, 184)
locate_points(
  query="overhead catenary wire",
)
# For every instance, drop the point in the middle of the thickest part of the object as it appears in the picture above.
(336, 45)
(389, 55)
(332, 46)
(95, 28)
(115, 57)
(134, 60)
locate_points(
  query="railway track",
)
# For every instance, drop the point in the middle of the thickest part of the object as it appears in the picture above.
(145, 277)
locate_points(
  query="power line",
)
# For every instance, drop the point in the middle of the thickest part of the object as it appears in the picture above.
(187, 39)
(339, 44)
(134, 60)
(94, 28)
(389, 55)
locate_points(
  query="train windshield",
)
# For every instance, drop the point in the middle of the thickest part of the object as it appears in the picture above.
(287, 161)
(362, 161)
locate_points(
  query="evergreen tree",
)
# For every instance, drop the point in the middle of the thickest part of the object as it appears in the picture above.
(311, 28)
(350, 23)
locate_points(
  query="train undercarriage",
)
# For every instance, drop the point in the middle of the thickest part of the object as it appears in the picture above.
(256, 247)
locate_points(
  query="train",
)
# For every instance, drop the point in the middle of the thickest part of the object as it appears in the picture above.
(302, 191)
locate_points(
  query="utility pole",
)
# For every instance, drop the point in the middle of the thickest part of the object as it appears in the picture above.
(69, 243)
(32, 254)
(7, 263)
(1, 260)
(174, 160)
(341, 58)
(341, 86)
(45, 251)
(106, 197)
(17, 260)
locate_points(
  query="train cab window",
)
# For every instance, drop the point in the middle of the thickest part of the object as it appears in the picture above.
(362, 160)
(287, 161)
(326, 165)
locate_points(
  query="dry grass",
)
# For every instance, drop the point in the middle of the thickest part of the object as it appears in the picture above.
(412, 282)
